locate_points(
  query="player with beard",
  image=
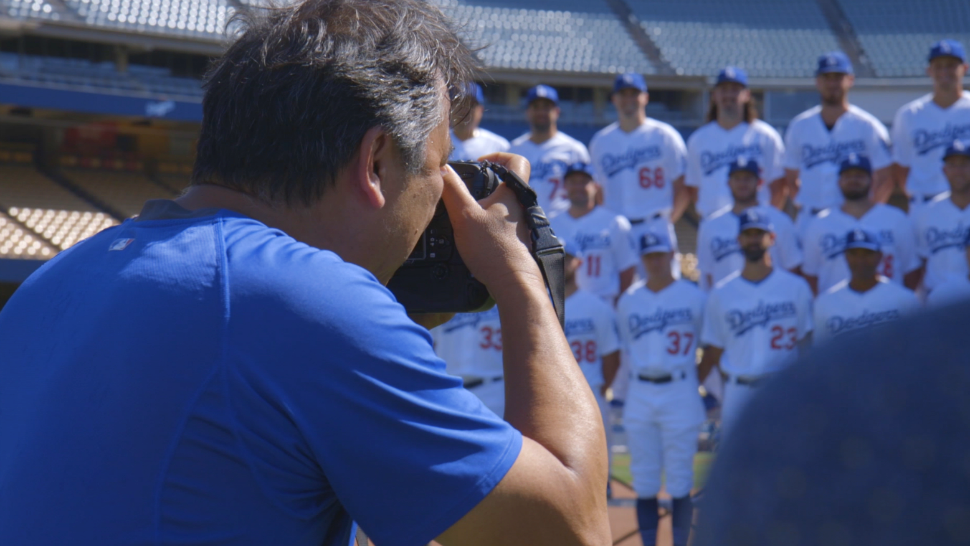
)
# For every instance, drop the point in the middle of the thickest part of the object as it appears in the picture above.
(718, 254)
(732, 131)
(821, 137)
(824, 240)
(943, 224)
(866, 298)
(548, 149)
(469, 140)
(601, 236)
(925, 127)
(756, 320)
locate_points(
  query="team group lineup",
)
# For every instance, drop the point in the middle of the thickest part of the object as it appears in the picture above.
(768, 285)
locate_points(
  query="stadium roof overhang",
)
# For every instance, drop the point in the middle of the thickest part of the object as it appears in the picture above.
(21, 94)
(145, 41)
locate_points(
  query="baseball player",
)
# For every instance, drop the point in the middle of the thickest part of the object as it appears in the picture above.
(821, 137)
(718, 253)
(640, 162)
(471, 346)
(942, 225)
(602, 237)
(824, 240)
(866, 298)
(732, 131)
(469, 140)
(955, 287)
(756, 320)
(660, 323)
(925, 127)
(548, 150)
(591, 332)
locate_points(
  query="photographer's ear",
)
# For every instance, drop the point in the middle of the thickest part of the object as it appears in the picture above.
(371, 164)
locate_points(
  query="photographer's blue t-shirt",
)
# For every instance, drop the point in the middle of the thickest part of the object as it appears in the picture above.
(204, 379)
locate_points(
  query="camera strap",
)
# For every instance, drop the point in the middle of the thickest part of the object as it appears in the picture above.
(546, 247)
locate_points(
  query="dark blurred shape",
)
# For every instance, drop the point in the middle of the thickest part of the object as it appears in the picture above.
(866, 441)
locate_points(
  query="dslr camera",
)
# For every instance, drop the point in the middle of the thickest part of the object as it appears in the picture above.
(434, 279)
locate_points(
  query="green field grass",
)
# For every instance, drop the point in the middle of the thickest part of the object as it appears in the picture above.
(702, 468)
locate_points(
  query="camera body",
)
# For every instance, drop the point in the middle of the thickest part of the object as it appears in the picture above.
(434, 279)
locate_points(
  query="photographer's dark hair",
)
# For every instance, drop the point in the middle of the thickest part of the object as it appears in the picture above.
(749, 114)
(288, 104)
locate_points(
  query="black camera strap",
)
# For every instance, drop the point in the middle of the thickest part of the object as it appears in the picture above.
(546, 247)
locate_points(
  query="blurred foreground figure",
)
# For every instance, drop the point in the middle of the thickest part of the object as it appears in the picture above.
(864, 442)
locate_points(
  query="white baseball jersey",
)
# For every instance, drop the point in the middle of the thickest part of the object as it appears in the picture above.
(661, 330)
(921, 133)
(941, 229)
(719, 254)
(712, 149)
(638, 169)
(591, 332)
(482, 142)
(841, 309)
(816, 153)
(549, 161)
(760, 324)
(471, 344)
(955, 288)
(824, 244)
(605, 245)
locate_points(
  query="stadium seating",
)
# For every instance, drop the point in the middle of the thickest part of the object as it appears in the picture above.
(573, 36)
(896, 35)
(16, 242)
(124, 191)
(57, 217)
(205, 18)
(24, 9)
(768, 38)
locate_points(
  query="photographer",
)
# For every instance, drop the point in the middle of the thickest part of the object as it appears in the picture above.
(229, 368)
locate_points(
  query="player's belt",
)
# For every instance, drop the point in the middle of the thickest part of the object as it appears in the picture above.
(926, 198)
(472, 382)
(639, 221)
(661, 379)
(749, 380)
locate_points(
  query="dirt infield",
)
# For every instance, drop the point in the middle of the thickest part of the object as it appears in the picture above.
(623, 519)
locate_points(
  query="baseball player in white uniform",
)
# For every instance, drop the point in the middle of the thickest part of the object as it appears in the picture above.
(601, 236)
(821, 137)
(592, 335)
(660, 323)
(824, 240)
(866, 298)
(943, 224)
(640, 162)
(924, 127)
(471, 346)
(718, 253)
(756, 321)
(470, 141)
(732, 131)
(955, 288)
(548, 150)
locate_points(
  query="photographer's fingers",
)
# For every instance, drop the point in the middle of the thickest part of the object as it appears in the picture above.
(458, 200)
(513, 162)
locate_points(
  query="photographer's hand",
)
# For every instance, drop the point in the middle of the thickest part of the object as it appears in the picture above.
(555, 493)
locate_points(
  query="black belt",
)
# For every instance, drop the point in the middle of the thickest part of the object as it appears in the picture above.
(925, 198)
(814, 212)
(639, 221)
(750, 381)
(660, 380)
(478, 382)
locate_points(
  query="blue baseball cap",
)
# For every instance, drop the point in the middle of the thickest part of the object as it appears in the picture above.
(957, 148)
(855, 161)
(542, 92)
(652, 242)
(630, 80)
(732, 74)
(835, 61)
(948, 48)
(474, 91)
(862, 238)
(746, 165)
(755, 218)
(579, 167)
